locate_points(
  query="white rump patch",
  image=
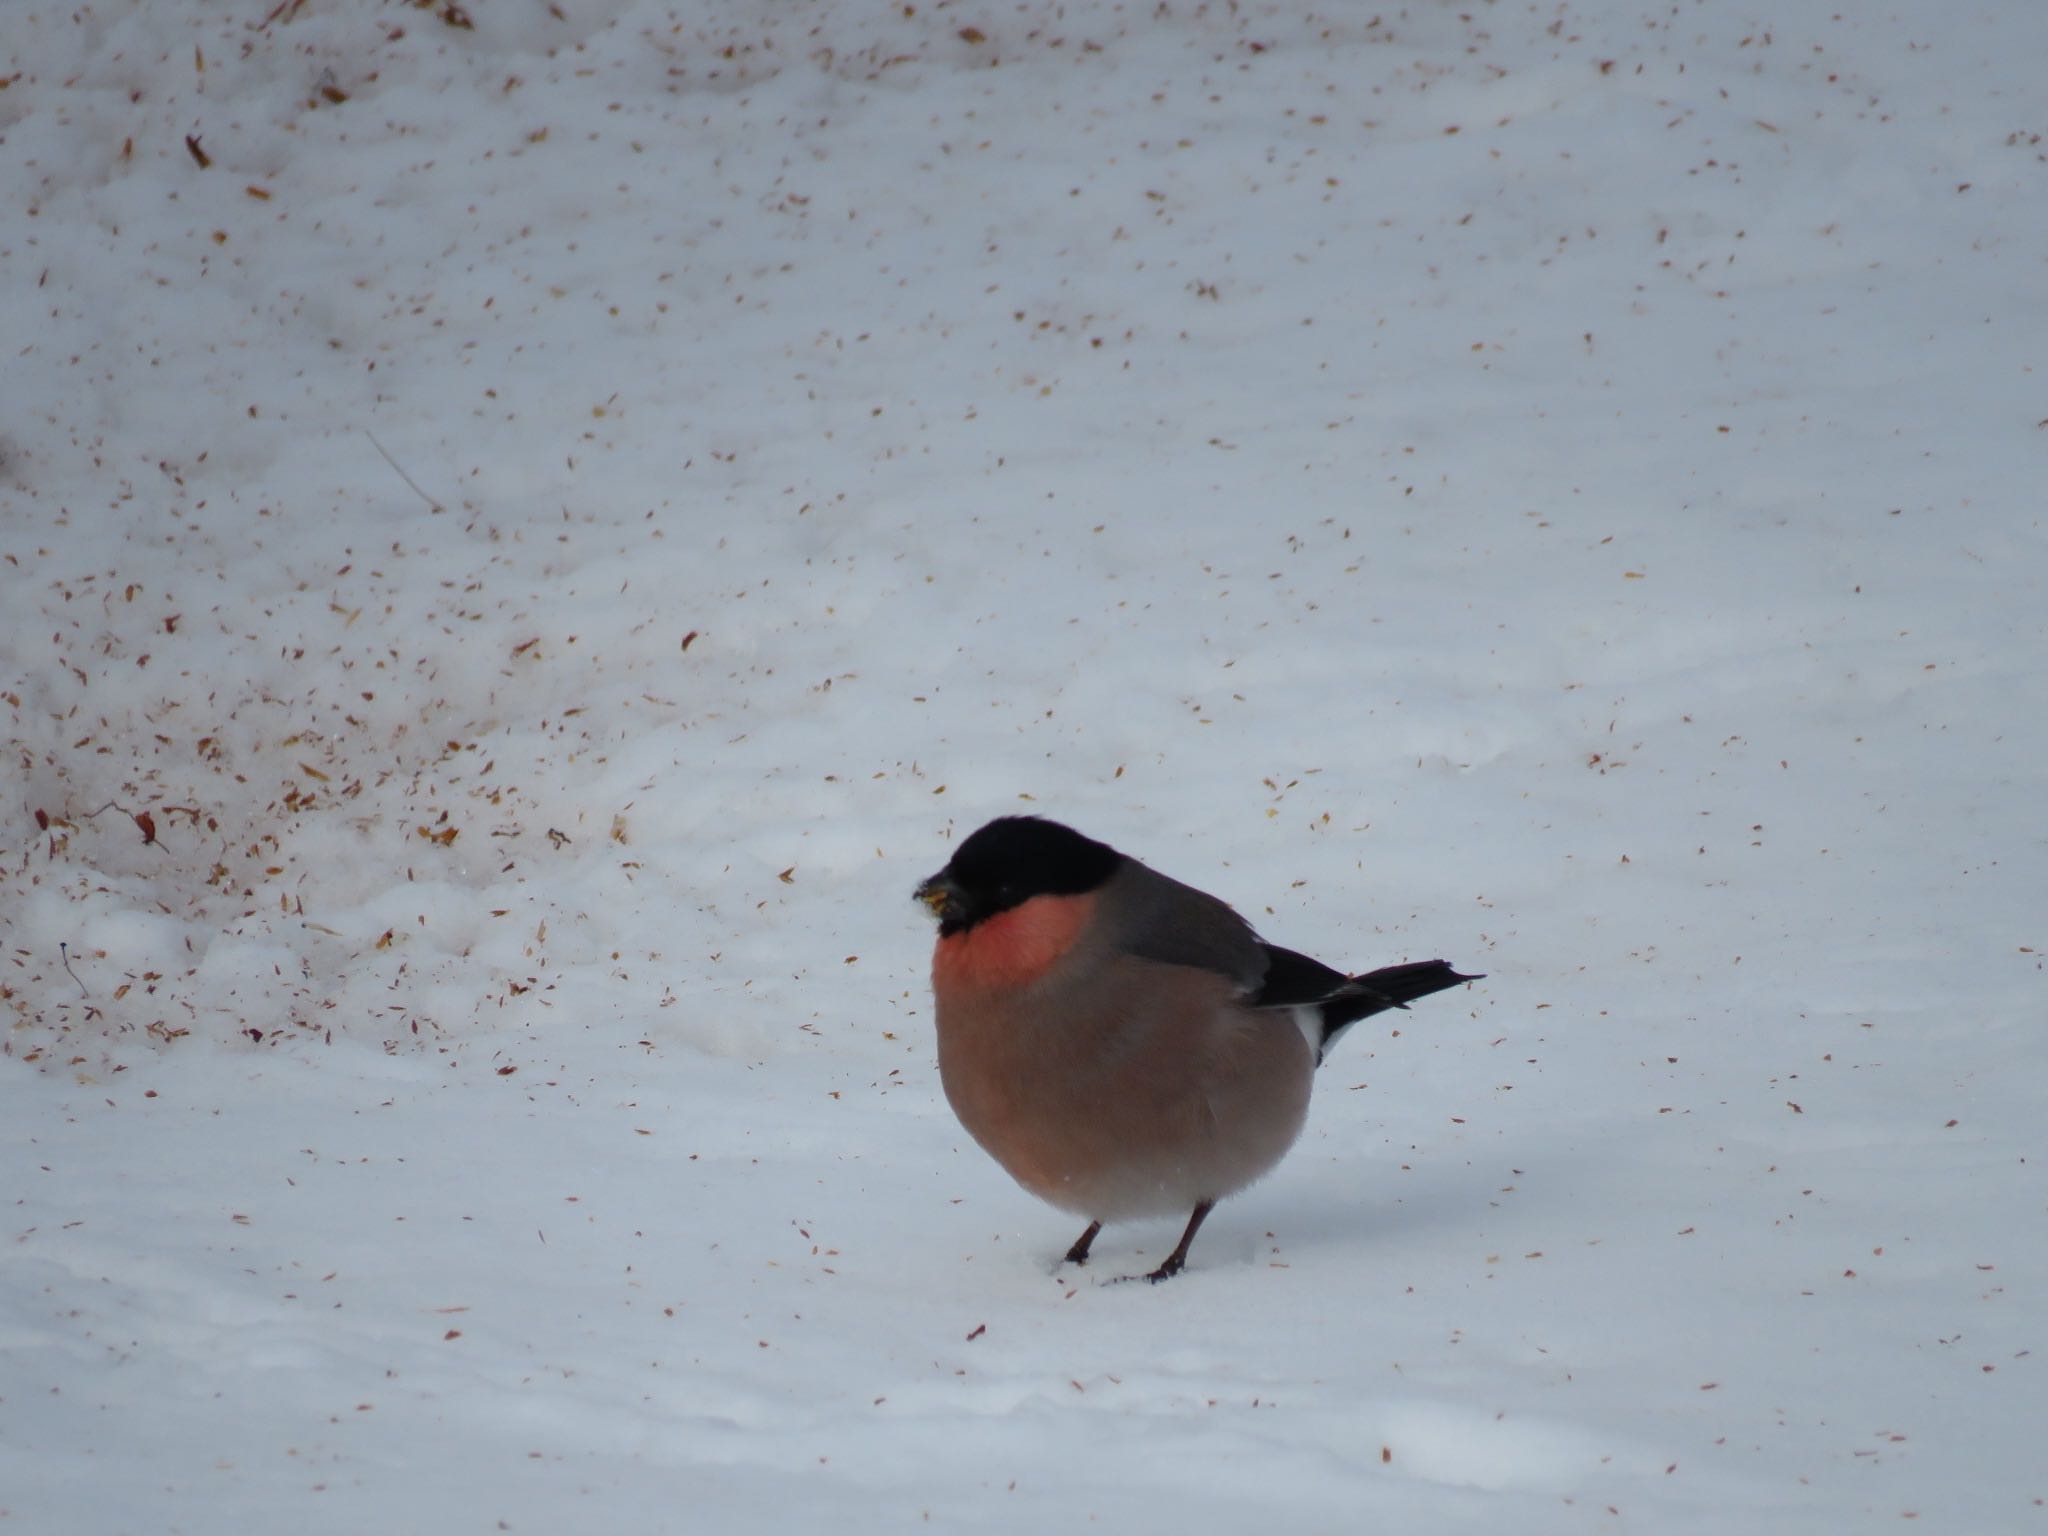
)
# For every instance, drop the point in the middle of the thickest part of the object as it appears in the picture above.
(1308, 1018)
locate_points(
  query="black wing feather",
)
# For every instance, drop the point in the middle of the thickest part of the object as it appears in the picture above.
(1292, 980)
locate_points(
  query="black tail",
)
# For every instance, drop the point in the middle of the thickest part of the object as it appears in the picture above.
(1393, 986)
(1396, 986)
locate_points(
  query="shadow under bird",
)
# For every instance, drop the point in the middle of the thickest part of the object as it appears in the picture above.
(1125, 1045)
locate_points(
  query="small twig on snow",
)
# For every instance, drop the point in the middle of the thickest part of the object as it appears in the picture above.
(64, 954)
(408, 479)
(144, 822)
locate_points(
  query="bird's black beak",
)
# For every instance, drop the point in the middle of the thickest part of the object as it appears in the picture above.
(939, 894)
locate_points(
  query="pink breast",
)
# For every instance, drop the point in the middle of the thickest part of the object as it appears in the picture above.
(1012, 949)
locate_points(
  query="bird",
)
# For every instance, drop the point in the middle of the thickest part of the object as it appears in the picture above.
(1122, 1044)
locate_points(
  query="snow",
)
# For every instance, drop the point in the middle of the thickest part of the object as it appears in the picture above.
(517, 565)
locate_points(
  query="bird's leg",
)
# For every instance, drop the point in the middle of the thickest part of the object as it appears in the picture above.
(1177, 1260)
(1078, 1254)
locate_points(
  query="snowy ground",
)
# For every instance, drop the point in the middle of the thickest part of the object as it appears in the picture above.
(1556, 487)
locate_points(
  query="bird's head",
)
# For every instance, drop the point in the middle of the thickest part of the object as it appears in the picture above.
(1009, 861)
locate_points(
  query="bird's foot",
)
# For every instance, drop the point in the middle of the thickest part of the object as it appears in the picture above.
(1165, 1271)
(1078, 1254)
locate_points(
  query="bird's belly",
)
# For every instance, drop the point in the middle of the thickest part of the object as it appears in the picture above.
(1107, 1128)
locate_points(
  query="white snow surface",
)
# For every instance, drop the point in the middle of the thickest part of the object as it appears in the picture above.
(526, 528)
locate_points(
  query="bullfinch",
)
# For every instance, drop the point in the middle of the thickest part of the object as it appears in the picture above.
(1125, 1045)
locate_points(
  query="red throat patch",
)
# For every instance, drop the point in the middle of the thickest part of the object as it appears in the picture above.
(1013, 948)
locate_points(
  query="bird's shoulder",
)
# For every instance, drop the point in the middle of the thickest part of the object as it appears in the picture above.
(1159, 919)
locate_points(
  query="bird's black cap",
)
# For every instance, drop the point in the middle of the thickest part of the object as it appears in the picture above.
(1009, 861)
